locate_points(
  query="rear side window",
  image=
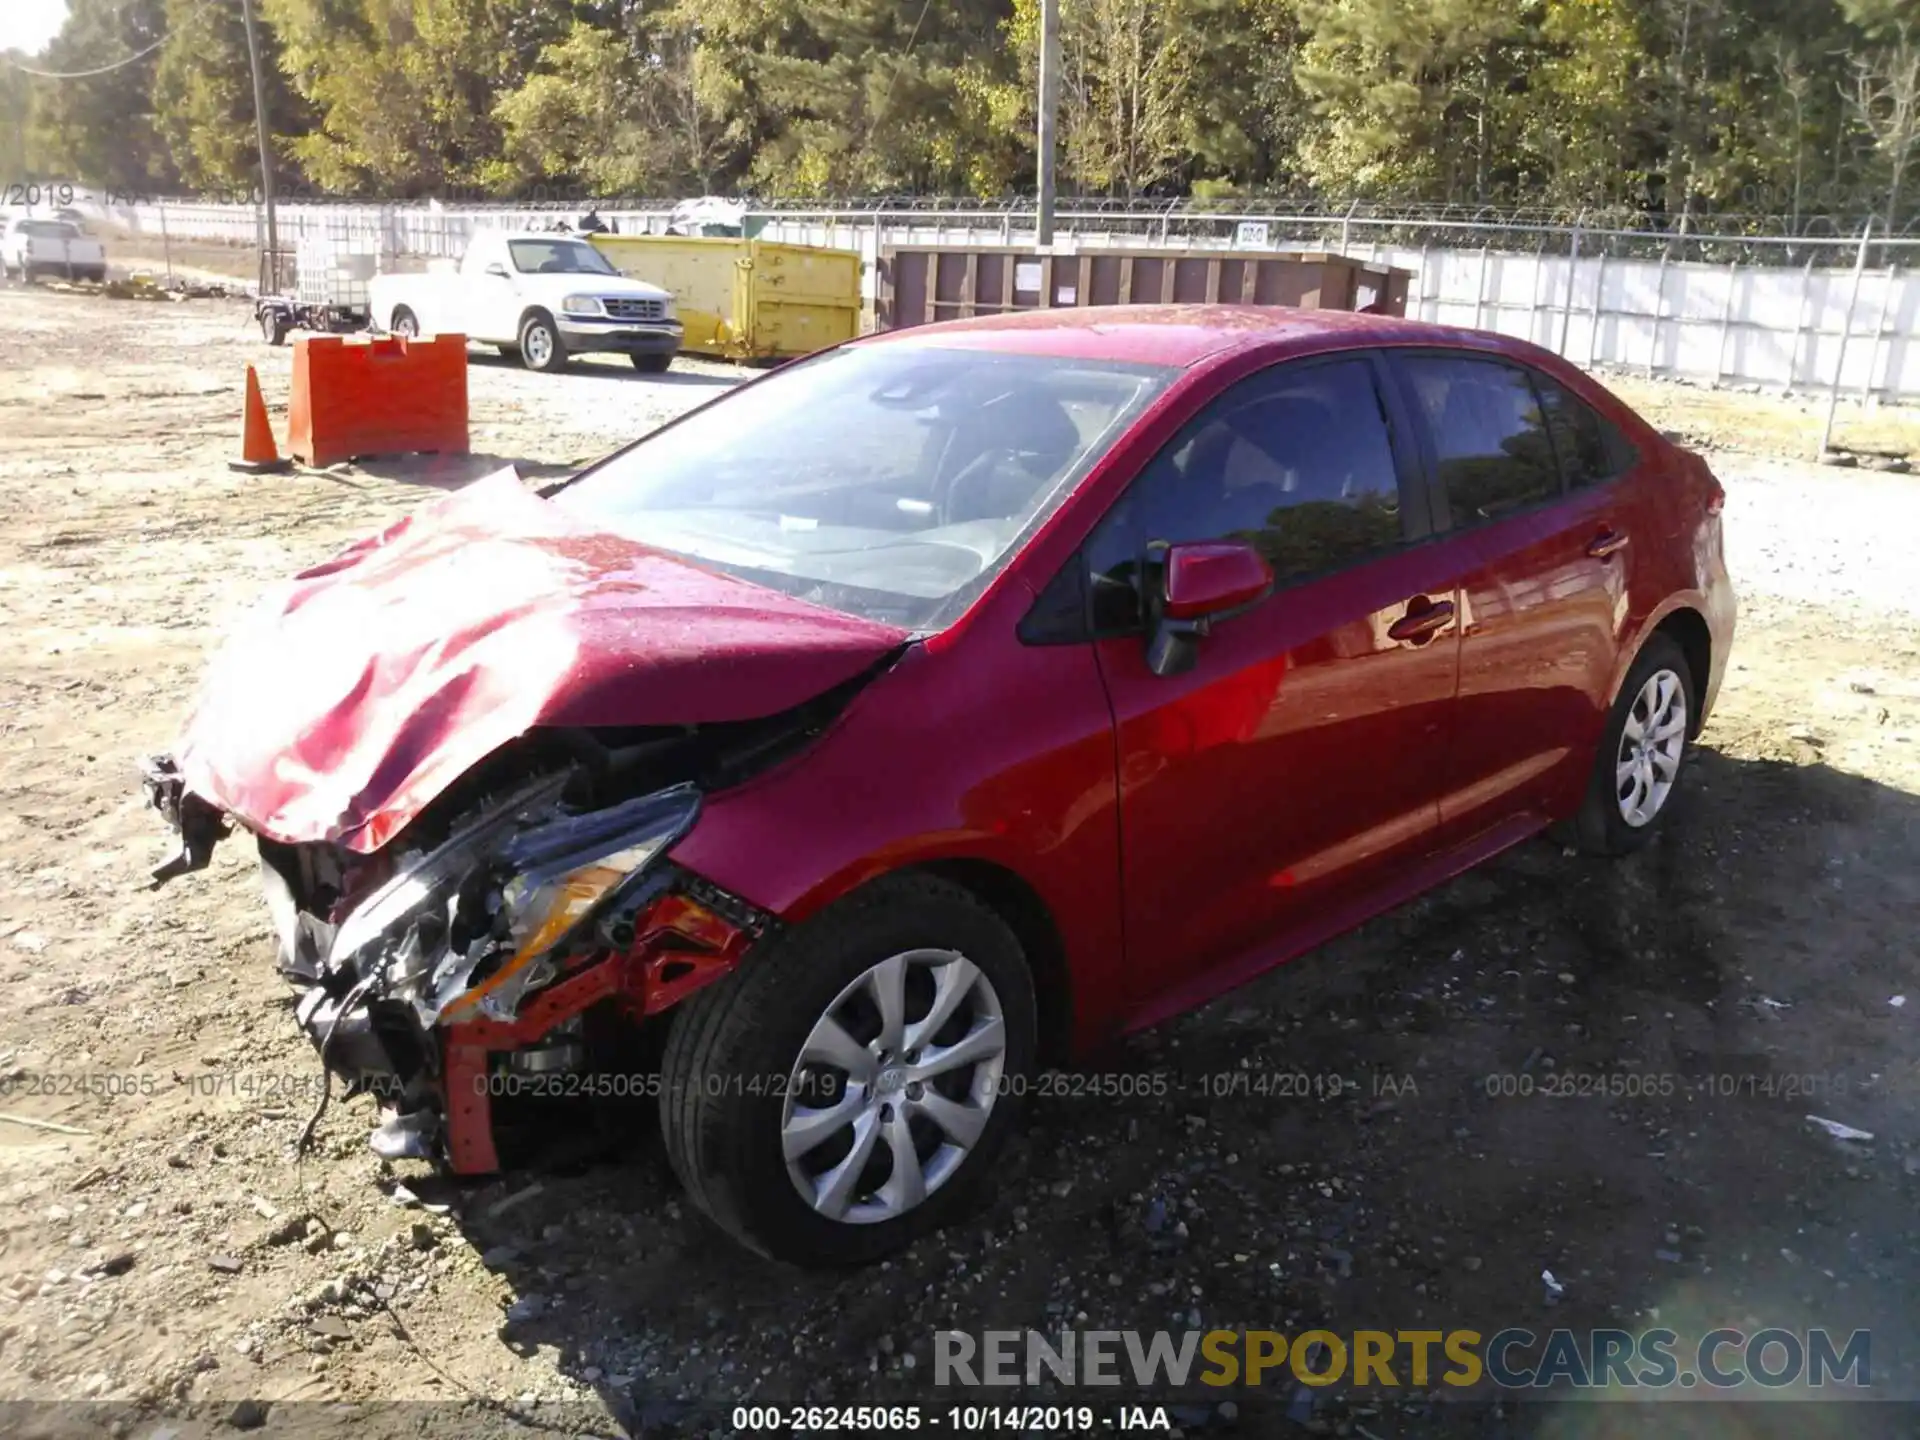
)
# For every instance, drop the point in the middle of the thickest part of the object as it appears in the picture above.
(1591, 451)
(1490, 436)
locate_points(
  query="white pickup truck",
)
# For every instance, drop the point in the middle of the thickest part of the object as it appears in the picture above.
(542, 296)
(32, 248)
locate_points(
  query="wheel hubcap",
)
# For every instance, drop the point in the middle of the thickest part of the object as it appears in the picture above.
(893, 1086)
(1650, 749)
(539, 345)
(409, 327)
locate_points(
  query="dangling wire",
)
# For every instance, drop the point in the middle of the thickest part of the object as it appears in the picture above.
(138, 55)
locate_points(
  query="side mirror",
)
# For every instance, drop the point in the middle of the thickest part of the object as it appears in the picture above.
(496, 268)
(1202, 584)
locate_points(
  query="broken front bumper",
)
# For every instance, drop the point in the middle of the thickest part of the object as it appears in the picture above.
(665, 935)
(439, 1084)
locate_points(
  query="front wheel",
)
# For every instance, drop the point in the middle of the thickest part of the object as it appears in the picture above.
(405, 323)
(540, 345)
(848, 1090)
(1637, 772)
(274, 326)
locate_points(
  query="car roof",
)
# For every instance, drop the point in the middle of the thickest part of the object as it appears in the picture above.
(1183, 335)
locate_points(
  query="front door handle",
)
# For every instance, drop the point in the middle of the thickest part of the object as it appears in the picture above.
(1424, 619)
(1607, 544)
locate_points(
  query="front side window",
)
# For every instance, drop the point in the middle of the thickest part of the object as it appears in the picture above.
(1489, 435)
(558, 257)
(1297, 461)
(889, 480)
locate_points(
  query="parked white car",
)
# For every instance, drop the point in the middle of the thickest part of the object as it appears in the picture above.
(542, 296)
(32, 248)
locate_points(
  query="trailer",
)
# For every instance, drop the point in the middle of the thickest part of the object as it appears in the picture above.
(328, 293)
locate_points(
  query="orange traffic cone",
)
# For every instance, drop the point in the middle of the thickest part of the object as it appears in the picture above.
(258, 454)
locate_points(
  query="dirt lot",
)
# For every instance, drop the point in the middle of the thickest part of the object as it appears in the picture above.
(176, 1254)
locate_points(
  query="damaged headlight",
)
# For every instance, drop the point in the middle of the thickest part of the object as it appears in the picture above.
(475, 924)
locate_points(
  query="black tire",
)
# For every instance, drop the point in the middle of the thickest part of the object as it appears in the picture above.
(546, 356)
(725, 1145)
(405, 322)
(652, 364)
(274, 326)
(1601, 827)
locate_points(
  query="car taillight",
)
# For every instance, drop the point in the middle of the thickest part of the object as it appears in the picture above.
(1716, 492)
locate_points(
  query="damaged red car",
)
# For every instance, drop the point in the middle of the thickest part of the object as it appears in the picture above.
(935, 710)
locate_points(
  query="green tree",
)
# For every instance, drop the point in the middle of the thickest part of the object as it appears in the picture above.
(404, 90)
(19, 157)
(203, 96)
(623, 116)
(100, 128)
(1416, 98)
(1580, 130)
(855, 96)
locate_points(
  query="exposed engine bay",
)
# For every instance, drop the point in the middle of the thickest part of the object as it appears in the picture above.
(522, 929)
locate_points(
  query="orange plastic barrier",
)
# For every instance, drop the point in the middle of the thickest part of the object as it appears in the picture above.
(386, 395)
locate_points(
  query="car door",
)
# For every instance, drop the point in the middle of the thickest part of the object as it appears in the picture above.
(1299, 761)
(476, 301)
(1544, 603)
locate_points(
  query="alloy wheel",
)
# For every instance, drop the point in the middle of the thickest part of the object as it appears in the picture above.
(1651, 744)
(893, 1086)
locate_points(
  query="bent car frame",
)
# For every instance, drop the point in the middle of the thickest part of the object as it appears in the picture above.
(938, 708)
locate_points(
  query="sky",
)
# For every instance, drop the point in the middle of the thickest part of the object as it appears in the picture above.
(29, 24)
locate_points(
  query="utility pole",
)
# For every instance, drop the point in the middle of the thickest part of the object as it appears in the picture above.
(271, 259)
(1049, 112)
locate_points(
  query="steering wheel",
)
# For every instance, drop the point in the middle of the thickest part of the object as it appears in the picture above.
(947, 491)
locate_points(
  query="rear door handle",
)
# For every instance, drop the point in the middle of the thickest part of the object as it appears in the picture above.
(1607, 544)
(1423, 619)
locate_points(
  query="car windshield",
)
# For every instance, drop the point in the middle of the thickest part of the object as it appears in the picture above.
(558, 257)
(49, 229)
(891, 481)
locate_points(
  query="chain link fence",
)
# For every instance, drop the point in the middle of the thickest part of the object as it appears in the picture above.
(1794, 304)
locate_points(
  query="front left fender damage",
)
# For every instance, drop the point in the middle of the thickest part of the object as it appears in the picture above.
(523, 935)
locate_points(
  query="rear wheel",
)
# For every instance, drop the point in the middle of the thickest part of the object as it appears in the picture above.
(849, 1090)
(405, 322)
(540, 345)
(652, 364)
(1637, 772)
(274, 326)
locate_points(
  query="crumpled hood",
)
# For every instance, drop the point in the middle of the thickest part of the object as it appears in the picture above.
(357, 694)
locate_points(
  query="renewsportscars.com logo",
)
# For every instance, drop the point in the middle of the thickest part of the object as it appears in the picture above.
(1512, 1359)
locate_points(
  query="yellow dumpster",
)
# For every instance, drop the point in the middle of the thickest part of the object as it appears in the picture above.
(747, 299)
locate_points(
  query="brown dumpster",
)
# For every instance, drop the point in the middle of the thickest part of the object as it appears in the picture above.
(920, 284)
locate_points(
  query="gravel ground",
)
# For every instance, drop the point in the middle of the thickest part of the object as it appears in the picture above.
(174, 1258)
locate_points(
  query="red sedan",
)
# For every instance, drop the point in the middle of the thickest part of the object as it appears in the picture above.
(937, 709)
